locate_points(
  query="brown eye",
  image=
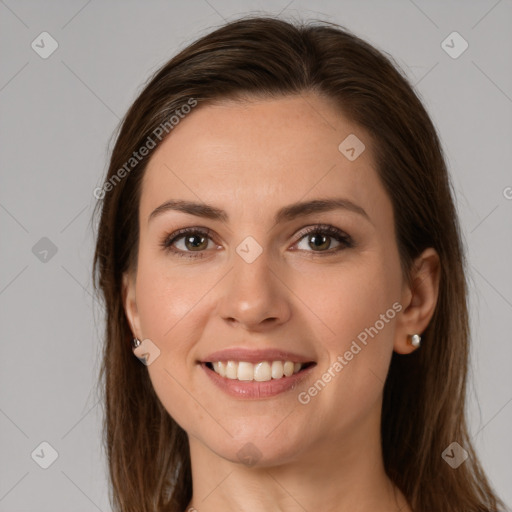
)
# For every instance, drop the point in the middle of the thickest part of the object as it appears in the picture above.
(317, 241)
(320, 239)
(195, 242)
(187, 241)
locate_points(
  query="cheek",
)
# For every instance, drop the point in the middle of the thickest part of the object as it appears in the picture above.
(345, 300)
(355, 304)
(360, 312)
(167, 294)
(168, 302)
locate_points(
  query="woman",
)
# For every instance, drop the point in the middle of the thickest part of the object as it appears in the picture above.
(279, 247)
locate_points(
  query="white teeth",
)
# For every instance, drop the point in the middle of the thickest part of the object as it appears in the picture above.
(231, 370)
(261, 372)
(221, 370)
(277, 369)
(288, 368)
(245, 371)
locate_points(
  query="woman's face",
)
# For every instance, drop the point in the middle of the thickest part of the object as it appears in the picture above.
(267, 283)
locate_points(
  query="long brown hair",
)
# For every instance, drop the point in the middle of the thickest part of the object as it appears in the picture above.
(424, 395)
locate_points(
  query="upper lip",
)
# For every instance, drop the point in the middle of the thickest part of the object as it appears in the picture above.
(255, 356)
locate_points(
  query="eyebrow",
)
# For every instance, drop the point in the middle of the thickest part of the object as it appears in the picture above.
(285, 214)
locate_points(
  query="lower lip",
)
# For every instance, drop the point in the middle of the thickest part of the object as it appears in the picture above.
(253, 389)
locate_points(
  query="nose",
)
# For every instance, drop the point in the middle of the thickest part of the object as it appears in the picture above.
(254, 296)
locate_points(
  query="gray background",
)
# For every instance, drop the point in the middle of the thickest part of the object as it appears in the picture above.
(57, 117)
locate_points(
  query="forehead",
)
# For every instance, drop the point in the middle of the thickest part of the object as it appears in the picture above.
(254, 156)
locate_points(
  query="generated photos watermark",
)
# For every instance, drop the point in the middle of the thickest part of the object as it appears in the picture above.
(150, 143)
(342, 360)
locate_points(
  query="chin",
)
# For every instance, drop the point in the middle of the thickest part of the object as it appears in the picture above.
(258, 444)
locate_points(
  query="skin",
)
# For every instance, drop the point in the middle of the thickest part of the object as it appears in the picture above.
(251, 158)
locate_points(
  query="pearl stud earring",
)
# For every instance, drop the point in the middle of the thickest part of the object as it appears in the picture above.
(415, 340)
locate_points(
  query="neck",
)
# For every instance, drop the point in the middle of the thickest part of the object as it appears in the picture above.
(329, 476)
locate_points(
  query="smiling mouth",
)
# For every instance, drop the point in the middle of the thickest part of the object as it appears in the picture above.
(260, 372)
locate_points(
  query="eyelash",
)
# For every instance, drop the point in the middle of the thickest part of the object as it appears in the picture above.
(345, 240)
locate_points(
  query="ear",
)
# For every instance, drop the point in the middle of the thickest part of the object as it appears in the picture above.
(130, 303)
(419, 299)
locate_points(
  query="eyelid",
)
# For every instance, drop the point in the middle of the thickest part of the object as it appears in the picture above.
(323, 228)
